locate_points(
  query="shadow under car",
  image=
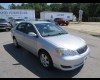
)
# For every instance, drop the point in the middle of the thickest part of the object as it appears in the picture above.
(30, 62)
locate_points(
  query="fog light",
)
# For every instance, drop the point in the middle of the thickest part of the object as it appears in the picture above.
(65, 66)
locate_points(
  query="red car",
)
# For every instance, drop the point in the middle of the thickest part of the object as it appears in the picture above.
(61, 21)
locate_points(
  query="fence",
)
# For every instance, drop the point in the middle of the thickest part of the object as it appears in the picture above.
(94, 19)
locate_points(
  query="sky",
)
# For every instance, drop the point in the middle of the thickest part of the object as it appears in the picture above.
(5, 5)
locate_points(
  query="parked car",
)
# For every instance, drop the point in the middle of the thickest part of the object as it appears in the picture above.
(53, 45)
(48, 20)
(10, 19)
(61, 21)
(51, 21)
(5, 25)
(17, 21)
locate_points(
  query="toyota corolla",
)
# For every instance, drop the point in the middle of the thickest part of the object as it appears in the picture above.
(54, 46)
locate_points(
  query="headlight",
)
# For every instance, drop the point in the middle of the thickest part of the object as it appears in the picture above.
(8, 24)
(66, 52)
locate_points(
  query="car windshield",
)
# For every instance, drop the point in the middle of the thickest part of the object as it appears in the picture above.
(49, 29)
(19, 20)
(3, 20)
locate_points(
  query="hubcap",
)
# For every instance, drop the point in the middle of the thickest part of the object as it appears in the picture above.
(44, 60)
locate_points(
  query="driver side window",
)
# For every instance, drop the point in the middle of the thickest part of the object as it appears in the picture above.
(21, 27)
(30, 28)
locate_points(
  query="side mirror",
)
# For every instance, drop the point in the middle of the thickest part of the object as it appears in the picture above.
(32, 34)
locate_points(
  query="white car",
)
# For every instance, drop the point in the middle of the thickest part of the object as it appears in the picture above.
(17, 21)
(53, 45)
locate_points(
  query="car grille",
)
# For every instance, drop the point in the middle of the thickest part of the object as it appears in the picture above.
(3, 25)
(82, 49)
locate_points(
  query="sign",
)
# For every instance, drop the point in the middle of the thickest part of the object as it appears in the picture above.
(17, 13)
(12, 12)
(68, 16)
(80, 15)
(80, 11)
(51, 16)
(60, 15)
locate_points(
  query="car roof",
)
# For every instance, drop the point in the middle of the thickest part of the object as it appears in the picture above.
(35, 22)
(18, 18)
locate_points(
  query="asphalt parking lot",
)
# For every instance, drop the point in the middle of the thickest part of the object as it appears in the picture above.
(19, 63)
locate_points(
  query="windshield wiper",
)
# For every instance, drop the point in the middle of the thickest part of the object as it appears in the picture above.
(54, 34)
(61, 33)
(47, 35)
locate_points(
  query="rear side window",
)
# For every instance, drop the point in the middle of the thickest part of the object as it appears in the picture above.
(21, 27)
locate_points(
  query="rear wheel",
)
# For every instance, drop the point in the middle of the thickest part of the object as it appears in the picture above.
(45, 60)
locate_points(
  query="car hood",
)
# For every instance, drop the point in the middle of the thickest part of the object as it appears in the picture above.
(66, 41)
(17, 22)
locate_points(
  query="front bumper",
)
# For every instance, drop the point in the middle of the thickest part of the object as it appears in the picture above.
(4, 27)
(70, 63)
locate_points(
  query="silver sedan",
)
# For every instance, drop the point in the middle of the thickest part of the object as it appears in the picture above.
(53, 45)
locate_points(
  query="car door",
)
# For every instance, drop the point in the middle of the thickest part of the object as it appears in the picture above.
(29, 41)
(20, 33)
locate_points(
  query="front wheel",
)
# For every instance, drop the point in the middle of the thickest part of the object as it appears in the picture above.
(67, 24)
(45, 60)
(15, 42)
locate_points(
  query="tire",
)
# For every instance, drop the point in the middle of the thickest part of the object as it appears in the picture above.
(45, 60)
(67, 24)
(59, 24)
(63, 24)
(15, 43)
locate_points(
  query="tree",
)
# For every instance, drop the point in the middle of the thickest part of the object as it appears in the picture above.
(1, 7)
(66, 7)
(12, 6)
(38, 7)
(75, 9)
(55, 7)
(98, 10)
(89, 9)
